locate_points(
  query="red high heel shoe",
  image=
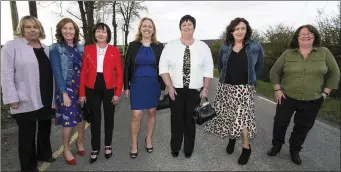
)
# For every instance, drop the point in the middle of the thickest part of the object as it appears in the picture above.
(82, 152)
(70, 162)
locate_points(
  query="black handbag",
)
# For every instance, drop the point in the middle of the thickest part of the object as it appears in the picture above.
(86, 112)
(164, 103)
(203, 112)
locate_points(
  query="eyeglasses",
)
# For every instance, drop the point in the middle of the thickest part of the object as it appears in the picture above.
(306, 34)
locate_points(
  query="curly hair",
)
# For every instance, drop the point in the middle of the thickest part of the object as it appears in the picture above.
(59, 27)
(317, 37)
(230, 28)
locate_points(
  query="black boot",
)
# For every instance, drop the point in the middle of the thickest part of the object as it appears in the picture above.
(230, 146)
(244, 157)
(295, 157)
(273, 151)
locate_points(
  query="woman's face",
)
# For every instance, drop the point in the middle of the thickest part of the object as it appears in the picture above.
(101, 35)
(305, 38)
(31, 30)
(68, 32)
(187, 28)
(239, 32)
(147, 29)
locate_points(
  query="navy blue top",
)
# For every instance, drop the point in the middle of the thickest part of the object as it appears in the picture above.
(145, 62)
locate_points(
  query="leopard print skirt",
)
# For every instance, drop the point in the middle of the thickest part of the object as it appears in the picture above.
(235, 108)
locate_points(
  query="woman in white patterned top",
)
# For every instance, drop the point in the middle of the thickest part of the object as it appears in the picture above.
(186, 67)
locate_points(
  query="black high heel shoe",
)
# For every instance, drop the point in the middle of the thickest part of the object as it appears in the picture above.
(149, 150)
(107, 156)
(134, 155)
(92, 160)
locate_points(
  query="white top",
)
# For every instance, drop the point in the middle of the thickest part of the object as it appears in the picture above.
(100, 57)
(171, 61)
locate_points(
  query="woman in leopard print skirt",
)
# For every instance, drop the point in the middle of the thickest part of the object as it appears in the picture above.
(240, 61)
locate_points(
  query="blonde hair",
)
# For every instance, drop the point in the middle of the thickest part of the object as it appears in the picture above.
(139, 34)
(20, 28)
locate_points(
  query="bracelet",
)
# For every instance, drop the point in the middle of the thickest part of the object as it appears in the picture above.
(326, 93)
(277, 90)
(205, 89)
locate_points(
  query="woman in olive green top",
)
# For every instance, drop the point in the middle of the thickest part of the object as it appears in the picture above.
(303, 76)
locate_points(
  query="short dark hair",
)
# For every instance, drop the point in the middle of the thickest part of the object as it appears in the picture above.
(230, 28)
(317, 37)
(185, 19)
(101, 26)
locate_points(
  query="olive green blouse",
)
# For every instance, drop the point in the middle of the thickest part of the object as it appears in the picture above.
(305, 79)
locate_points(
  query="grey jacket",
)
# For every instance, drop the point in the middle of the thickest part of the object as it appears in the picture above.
(20, 76)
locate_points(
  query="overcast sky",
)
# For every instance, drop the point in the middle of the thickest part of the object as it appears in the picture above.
(212, 17)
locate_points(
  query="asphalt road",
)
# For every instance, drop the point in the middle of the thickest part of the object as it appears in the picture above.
(321, 150)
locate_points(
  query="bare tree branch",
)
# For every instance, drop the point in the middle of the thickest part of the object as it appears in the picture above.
(73, 15)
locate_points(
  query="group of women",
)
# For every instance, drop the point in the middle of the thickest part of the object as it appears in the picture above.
(66, 77)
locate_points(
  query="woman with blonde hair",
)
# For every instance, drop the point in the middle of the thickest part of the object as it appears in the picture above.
(141, 81)
(27, 86)
(66, 60)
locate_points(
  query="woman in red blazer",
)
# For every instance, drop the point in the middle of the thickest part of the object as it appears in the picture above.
(101, 79)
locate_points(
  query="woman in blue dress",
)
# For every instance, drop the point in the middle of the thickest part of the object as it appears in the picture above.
(66, 57)
(142, 83)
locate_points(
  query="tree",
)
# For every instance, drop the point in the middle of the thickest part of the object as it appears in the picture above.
(130, 10)
(14, 15)
(87, 17)
(33, 8)
(277, 39)
(330, 30)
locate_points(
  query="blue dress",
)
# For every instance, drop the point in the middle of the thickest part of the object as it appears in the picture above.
(70, 116)
(144, 88)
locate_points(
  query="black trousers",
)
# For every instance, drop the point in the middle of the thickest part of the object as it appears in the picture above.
(28, 153)
(304, 119)
(182, 123)
(95, 97)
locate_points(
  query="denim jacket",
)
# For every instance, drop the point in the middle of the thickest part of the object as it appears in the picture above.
(62, 64)
(255, 58)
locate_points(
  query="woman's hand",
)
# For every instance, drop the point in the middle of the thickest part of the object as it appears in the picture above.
(172, 92)
(66, 100)
(203, 93)
(14, 105)
(82, 99)
(127, 93)
(115, 100)
(278, 95)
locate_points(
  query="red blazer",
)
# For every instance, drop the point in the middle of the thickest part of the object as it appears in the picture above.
(112, 69)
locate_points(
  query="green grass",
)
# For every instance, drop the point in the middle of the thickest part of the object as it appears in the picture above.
(330, 109)
(216, 73)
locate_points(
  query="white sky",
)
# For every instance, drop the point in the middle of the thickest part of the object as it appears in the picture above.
(211, 17)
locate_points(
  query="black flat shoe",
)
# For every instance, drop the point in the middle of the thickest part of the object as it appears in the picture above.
(134, 155)
(175, 154)
(188, 155)
(107, 156)
(295, 157)
(51, 159)
(93, 160)
(149, 150)
(273, 151)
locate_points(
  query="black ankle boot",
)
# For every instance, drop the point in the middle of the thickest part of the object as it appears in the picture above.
(273, 151)
(244, 157)
(295, 157)
(230, 146)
